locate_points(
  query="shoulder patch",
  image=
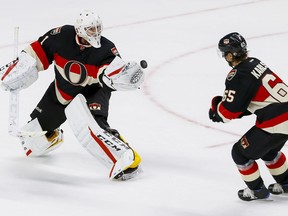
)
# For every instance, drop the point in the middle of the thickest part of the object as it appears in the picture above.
(115, 51)
(55, 31)
(95, 106)
(231, 74)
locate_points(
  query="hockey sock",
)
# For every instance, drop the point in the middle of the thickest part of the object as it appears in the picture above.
(278, 168)
(251, 175)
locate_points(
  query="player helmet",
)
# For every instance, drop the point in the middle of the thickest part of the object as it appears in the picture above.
(89, 26)
(233, 43)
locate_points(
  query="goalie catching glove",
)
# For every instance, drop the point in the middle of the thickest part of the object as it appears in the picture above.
(21, 74)
(123, 76)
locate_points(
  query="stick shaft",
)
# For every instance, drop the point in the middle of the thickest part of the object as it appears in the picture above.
(13, 124)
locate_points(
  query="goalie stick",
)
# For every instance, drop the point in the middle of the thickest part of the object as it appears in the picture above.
(14, 98)
(13, 123)
(8, 65)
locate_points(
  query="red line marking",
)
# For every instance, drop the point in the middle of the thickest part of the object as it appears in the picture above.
(156, 69)
(154, 100)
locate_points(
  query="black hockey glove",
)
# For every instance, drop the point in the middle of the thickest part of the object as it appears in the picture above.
(213, 115)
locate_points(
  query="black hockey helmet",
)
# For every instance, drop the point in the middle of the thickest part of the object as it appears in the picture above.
(233, 43)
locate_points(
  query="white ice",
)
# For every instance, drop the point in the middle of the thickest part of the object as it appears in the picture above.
(187, 165)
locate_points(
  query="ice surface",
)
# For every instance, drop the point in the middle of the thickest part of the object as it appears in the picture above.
(187, 165)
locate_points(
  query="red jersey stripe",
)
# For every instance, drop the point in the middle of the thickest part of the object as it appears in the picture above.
(272, 122)
(226, 113)
(262, 94)
(63, 94)
(36, 46)
(91, 69)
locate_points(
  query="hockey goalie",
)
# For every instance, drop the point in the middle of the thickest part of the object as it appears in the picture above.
(88, 69)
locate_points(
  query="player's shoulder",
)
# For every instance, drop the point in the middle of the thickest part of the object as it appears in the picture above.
(105, 42)
(62, 30)
(253, 67)
(248, 64)
(109, 46)
(67, 28)
(243, 70)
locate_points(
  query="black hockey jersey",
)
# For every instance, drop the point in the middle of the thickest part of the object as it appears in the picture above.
(76, 65)
(251, 87)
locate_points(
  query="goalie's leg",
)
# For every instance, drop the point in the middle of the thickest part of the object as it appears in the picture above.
(37, 142)
(134, 169)
(117, 155)
(42, 134)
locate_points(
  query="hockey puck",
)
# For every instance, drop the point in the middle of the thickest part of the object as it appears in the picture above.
(143, 64)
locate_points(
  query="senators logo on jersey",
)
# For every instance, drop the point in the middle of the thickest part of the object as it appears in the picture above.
(95, 106)
(231, 74)
(55, 31)
(115, 51)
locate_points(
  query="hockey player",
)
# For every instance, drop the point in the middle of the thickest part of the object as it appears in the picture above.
(87, 69)
(252, 88)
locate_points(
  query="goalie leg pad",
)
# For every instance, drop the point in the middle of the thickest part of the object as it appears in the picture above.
(39, 145)
(108, 149)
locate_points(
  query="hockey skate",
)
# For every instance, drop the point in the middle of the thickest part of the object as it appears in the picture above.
(55, 138)
(278, 189)
(37, 146)
(132, 171)
(129, 173)
(249, 195)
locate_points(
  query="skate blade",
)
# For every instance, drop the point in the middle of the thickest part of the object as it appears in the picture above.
(128, 176)
(265, 200)
(268, 199)
(281, 195)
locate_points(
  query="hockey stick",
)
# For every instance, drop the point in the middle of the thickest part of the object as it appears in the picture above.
(13, 124)
(14, 99)
(8, 64)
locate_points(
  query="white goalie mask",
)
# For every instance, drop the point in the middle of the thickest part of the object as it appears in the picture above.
(89, 26)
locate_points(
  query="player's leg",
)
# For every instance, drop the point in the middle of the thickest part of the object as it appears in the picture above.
(252, 146)
(277, 165)
(117, 155)
(98, 103)
(46, 117)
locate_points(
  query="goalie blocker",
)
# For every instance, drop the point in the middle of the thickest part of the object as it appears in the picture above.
(122, 161)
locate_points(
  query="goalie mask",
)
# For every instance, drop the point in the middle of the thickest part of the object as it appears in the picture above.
(89, 26)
